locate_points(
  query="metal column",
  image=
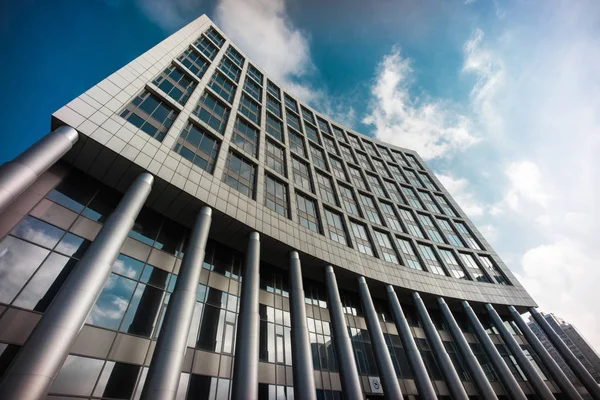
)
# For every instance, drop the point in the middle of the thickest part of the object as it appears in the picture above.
(17, 175)
(343, 347)
(165, 369)
(481, 381)
(303, 370)
(245, 367)
(507, 378)
(391, 387)
(584, 376)
(533, 377)
(422, 380)
(558, 375)
(455, 386)
(42, 356)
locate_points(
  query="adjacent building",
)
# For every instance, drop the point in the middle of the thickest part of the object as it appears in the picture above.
(190, 229)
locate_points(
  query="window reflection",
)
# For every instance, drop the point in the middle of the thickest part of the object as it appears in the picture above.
(74, 192)
(112, 303)
(77, 376)
(141, 316)
(103, 203)
(38, 232)
(117, 380)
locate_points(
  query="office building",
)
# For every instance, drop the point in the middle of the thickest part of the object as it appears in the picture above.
(189, 229)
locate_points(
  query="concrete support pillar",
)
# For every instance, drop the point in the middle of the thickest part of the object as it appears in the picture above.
(389, 381)
(507, 378)
(584, 376)
(345, 355)
(455, 386)
(536, 381)
(422, 380)
(245, 367)
(483, 384)
(558, 375)
(17, 175)
(42, 356)
(165, 369)
(304, 377)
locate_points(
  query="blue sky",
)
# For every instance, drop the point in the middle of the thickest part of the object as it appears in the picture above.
(501, 97)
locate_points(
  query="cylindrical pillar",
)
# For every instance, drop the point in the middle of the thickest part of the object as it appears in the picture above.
(389, 381)
(343, 347)
(455, 386)
(507, 378)
(584, 376)
(245, 366)
(422, 381)
(483, 384)
(304, 377)
(536, 381)
(42, 356)
(558, 375)
(163, 376)
(17, 175)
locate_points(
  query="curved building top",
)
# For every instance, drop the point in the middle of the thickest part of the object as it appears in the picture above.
(215, 129)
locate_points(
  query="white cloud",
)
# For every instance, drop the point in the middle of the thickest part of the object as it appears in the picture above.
(169, 14)
(431, 127)
(461, 192)
(525, 188)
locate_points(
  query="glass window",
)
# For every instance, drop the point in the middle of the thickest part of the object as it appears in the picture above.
(431, 229)
(301, 174)
(427, 181)
(275, 127)
(380, 167)
(452, 264)
(307, 213)
(323, 125)
(291, 103)
(273, 106)
(239, 174)
(397, 173)
(194, 62)
(212, 111)
(77, 376)
(370, 148)
(74, 192)
(388, 252)
(429, 203)
(293, 121)
(357, 178)
(308, 115)
(235, 55)
(385, 154)
(400, 158)
(215, 36)
(445, 206)
(348, 200)
(274, 90)
(255, 74)
(354, 142)
(339, 134)
(338, 169)
(347, 154)
(474, 269)
(433, 264)
(318, 157)
(329, 144)
(413, 161)
(245, 136)
(390, 216)
(175, 83)
(412, 198)
(412, 178)
(198, 146)
(449, 232)
(370, 209)
(230, 69)
(103, 203)
(151, 114)
(142, 314)
(408, 250)
(335, 227)
(410, 223)
(361, 237)
(276, 195)
(393, 191)
(112, 302)
(363, 161)
(326, 190)
(375, 185)
(117, 380)
(253, 89)
(297, 144)
(250, 109)
(493, 270)
(275, 157)
(206, 47)
(311, 133)
(466, 234)
(222, 86)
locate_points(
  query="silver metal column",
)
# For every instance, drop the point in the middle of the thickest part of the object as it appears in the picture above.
(304, 377)
(245, 367)
(163, 376)
(483, 384)
(533, 377)
(507, 378)
(422, 380)
(455, 386)
(343, 347)
(391, 387)
(558, 375)
(17, 175)
(584, 376)
(42, 356)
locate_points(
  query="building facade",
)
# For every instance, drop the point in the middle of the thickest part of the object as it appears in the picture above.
(191, 230)
(578, 345)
